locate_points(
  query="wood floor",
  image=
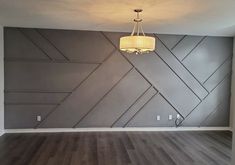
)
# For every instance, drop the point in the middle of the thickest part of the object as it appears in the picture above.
(117, 148)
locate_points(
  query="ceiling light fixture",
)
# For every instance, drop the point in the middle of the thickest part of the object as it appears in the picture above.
(137, 42)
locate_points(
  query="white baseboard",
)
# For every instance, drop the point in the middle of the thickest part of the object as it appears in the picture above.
(2, 133)
(131, 129)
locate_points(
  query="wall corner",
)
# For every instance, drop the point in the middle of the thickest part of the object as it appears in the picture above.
(1, 82)
(232, 103)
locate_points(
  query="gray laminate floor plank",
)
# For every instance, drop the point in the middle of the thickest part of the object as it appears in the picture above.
(117, 148)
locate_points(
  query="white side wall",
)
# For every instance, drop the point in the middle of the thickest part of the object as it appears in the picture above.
(1, 83)
(232, 105)
(232, 109)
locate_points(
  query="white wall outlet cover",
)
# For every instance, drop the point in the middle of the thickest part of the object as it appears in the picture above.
(170, 117)
(158, 117)
(178, 116)
(39, 118)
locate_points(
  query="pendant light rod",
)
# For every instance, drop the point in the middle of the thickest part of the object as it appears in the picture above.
(138, 11)
(138, 26)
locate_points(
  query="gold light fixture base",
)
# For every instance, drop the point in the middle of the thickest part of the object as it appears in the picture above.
(138, 10)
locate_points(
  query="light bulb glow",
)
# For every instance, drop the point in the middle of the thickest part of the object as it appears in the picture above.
(137, 42)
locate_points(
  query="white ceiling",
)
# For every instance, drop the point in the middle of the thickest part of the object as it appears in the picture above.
(198, 17)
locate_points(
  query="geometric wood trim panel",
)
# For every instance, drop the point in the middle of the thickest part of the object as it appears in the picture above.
(24, 116)
(34, 97)
(126, 117)
(45, 76)
(89, 93)
(180, 70)
(18, 46)
(185, 46)
(166, 81)
(147, 116)
(208, 56)
(81, 79)
(114, 104)
(218, 96)
(82, 46)
(49, 49)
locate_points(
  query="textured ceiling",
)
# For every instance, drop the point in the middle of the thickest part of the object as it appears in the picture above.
(198, 17)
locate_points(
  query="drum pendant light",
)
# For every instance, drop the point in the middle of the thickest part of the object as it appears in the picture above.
(137, 42)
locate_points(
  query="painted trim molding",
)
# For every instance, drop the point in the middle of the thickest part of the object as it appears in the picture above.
(156, 129)
(2, 133)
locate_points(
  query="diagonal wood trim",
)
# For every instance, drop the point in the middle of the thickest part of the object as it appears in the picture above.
(177, 42)
(67, 97)
(134, 66)
(194, 47)
(140, 109)
(178, 76)
(207, 96)
(226, 76)
(89, 111)
(229, 58)
(183, 66)
(131, 105)
(35, 44)
(53, 45)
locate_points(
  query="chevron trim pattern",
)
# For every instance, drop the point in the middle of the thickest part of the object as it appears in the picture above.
(78, 79)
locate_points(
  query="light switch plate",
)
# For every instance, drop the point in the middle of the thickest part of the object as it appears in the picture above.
(39, 118)
(178, 116)
(158, 117)
(170, 117)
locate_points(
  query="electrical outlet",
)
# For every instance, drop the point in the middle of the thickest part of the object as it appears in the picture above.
(170, 117)
(39, 118)
(158, 117)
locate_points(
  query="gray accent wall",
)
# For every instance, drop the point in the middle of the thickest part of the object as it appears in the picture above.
(76, 79)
